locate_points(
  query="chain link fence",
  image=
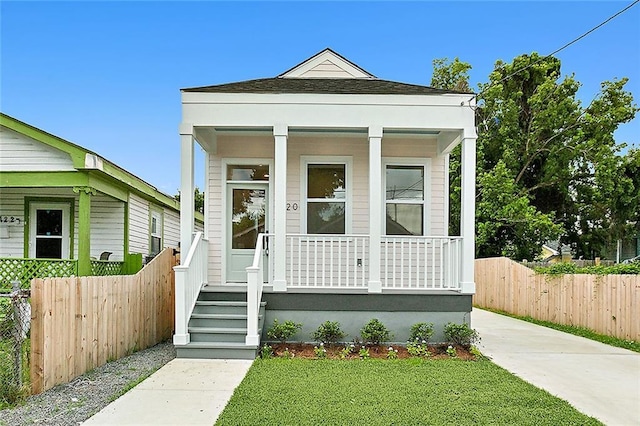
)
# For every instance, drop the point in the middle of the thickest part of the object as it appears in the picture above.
(15, 322)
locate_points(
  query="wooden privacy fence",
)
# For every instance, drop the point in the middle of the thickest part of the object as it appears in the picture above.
(607, 304)
(80, 323)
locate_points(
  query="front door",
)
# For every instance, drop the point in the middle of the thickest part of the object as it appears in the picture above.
(247, 208)
(49, 230)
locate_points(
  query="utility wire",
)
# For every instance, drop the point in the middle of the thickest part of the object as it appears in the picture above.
(561, 48)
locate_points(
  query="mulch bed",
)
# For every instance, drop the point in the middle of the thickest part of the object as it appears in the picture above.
(306, 351)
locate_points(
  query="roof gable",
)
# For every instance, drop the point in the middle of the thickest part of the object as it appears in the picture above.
(327, 64)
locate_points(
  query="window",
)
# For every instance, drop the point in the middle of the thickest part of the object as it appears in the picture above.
(404, 199)
(247, 172)
(326, 198)
(156, 232)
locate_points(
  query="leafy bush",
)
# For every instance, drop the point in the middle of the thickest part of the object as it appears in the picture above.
(421, 331)
(328, 332)
(461, 334)
(284, 331)
(571, 268)
(418, 348)
(266, 352)
(375, 332)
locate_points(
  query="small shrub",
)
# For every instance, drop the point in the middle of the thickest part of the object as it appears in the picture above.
(392, 353)
(418, 348)
(286, 354)
(375, 332)
(451, 351)
(320, 352)
(283, 331)
(364, 352)
(328, 332)
(266, 351)
(347, 350)
(461, 334)
(421, 331)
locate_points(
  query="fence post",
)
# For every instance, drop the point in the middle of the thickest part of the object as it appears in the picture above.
(17, 334)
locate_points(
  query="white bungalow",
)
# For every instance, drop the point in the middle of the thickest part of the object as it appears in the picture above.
(327, 195)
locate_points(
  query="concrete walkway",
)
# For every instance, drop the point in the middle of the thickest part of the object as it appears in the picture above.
(183, 392)
(599, 380)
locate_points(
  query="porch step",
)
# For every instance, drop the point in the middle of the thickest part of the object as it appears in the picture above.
(218, 327)
(218, 334)
(213, 350)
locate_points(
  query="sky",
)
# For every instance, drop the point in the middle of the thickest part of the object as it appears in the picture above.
(107, 75)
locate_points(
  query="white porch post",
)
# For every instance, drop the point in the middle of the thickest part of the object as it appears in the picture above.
(280, 133)
(375, 207)
(186, 188)
(468, 213)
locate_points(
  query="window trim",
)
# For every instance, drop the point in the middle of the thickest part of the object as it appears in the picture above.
(159, 212)
(305, 161)
(427, 204)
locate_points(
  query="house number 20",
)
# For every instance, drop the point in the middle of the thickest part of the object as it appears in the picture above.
(292, 206)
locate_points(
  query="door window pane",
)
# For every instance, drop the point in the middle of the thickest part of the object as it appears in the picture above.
(326, 181)
(248, 172)
(49, 222)
(49, 248)
(248, 218)
(325, 218)
(404, 219)
(405, 183)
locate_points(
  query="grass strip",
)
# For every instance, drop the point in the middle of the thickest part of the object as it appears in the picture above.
(385, 392)
(575, 330)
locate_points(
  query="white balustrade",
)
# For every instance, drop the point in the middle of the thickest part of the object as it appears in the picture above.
(423, 263)
(327, 261)
(190, 277)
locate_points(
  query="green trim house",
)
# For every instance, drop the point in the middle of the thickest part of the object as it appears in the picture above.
(65, 210)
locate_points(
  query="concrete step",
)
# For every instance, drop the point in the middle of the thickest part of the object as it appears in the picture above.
(218, 334)
(221, 307)
(212, 350)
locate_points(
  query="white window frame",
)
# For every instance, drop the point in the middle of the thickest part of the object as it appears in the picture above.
(158, 215)
(305, 161)
(425, 163)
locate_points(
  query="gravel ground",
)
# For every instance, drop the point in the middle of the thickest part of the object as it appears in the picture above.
(76, 401)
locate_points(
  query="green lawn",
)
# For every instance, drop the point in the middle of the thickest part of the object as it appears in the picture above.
(383, 392)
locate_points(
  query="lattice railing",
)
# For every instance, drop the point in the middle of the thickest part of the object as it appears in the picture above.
(24, 270)
(106, 267)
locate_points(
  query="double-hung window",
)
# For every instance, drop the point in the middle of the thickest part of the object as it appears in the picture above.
(326, 205)
(405, 189)
(156, 232)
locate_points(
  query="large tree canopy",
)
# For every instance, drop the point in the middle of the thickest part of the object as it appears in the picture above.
(548, 166)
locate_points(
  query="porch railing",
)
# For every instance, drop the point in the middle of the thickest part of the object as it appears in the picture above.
(327, 261)
(429, 263)
(190, 277)
(255, 283)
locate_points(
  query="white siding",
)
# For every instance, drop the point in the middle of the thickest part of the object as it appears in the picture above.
(355, 147)
(21, 153)
(107, 227)
(138, 225)
(171, 228)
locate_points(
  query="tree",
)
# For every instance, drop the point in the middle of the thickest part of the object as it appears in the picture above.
(548, 159)
(198, 199)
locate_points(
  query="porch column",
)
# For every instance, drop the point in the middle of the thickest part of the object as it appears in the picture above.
(187, 205)
(84, 229)
(279, 252)
(468, 212)
(375, 207)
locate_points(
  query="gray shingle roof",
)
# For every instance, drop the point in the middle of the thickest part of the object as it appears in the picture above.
(322, 86)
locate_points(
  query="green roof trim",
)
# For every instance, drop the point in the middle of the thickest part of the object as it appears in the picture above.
(110, 175)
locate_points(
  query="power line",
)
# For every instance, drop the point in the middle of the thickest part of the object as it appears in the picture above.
(575, 40)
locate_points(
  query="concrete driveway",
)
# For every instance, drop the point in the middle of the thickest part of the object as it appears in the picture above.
(599, 380)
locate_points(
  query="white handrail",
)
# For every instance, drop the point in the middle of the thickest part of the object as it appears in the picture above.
(190, 277)
(255, 283)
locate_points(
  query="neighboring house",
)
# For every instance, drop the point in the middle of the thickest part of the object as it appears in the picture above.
(64, 210)
(348, 175)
